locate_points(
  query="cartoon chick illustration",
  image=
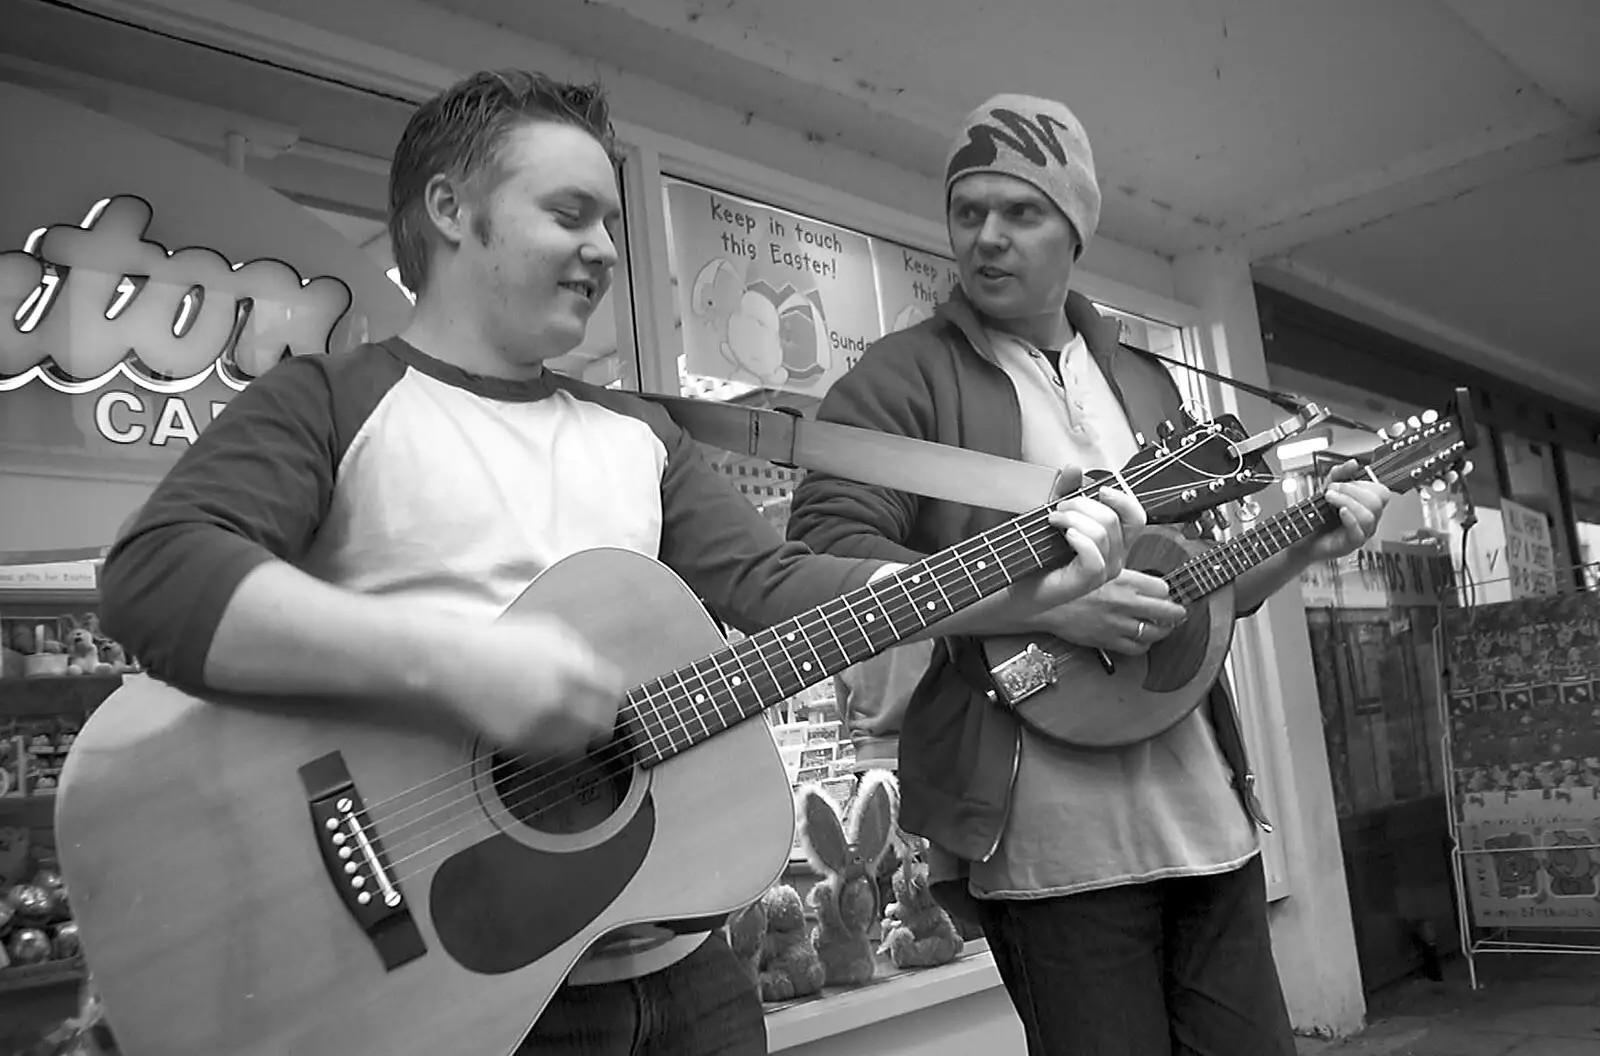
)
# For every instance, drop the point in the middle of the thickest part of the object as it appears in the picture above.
(754, 344)
(717, 290)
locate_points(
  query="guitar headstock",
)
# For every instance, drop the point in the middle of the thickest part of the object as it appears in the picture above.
(1187, 472)
(1425, 449)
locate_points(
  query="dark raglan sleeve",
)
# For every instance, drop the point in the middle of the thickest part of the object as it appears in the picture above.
(887, 390)
(254, 486)
(729, 554)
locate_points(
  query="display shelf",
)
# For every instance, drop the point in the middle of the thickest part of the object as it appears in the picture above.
(54, 694)
(20, 977)
(34, 799)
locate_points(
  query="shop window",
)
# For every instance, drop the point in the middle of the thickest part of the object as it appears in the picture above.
(1539, 553)
(1583, 485)
(1371, 618)
(769, 308)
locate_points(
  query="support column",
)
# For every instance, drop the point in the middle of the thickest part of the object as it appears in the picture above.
(1312, 933)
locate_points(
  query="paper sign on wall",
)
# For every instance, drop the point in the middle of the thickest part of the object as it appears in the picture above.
(767, 297)
(1530, 560)
(911, 284)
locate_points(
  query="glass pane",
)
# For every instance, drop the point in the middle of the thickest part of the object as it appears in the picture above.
(1583, 485)
(1531, 482)
(1371, 615)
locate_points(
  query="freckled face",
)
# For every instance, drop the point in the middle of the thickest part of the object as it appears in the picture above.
(543, 249)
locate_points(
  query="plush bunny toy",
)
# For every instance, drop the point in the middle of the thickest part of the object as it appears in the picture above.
(848, 855)
(788, 966)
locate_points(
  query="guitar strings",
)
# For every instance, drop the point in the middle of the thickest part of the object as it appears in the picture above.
(610, 762)
(540, 782)
(658, 712)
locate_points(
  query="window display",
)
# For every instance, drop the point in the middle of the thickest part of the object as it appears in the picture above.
(1583, 483)
(56, 666)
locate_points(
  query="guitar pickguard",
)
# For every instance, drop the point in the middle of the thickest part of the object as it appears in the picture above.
(500, 905)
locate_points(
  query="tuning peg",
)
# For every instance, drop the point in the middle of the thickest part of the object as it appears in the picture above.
(1166, 429)
(1430, 416)
(1398, 429)
(1414, 422)
(1466, 467)
(1452, 477)
(1383, 434)
(1439, 485)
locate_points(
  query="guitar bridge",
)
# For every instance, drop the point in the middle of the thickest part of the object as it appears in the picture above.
(356, 863)
(1023, 675)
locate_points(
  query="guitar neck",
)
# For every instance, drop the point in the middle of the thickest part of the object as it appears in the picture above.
(1223, 564)
(682, 709)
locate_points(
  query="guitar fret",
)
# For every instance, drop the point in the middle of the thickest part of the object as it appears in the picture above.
(671, 702)
(779, 638)
(838, 643)
(1001, 565)
(977, 591)
(638, 711)
(761, 653)
(740, 684)
(748, 650)
(886, 621)
(902, 581)
(861, 627)
(707, 693)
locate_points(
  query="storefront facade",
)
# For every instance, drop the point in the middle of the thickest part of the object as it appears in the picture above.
(1536, 533)
(369, 62)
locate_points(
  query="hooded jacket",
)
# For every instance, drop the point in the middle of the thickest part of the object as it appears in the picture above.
(941, 381)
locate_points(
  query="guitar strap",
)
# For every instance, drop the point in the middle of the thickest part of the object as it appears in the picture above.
(921, 467)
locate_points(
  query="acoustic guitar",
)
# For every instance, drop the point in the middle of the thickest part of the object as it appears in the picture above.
(1065, 693)
(325, 877)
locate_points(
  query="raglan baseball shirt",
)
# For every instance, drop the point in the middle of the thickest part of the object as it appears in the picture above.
(387, 472)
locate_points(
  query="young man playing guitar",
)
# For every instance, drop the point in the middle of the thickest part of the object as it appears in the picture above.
(355, 525)
(1121, 891)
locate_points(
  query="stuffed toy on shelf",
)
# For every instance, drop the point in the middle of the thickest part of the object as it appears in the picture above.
(848, 853)
(789, 966)
(917, 932)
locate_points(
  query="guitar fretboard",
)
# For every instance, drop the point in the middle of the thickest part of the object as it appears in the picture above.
(1221, 565)
(682, 709)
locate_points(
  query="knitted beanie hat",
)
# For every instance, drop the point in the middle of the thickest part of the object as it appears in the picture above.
(1036, 140)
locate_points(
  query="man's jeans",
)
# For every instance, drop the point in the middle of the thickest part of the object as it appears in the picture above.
(705, 1005)
(1179, 967)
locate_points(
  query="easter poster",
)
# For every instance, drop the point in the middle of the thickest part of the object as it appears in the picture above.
(1524, 731)
(911, 284)
(767, 297)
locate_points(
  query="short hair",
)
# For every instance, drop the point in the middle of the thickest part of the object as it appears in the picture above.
(460, 132)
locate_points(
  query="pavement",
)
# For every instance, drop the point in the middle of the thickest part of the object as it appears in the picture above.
(1526, 1005)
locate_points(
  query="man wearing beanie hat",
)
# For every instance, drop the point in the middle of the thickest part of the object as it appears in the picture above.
(1121, 891)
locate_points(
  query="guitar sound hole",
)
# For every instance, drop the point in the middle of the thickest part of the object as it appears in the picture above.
(559, 798)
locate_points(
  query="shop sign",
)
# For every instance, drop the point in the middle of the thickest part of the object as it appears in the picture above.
(160, 339)
(1390, 575)
(1530, 559)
